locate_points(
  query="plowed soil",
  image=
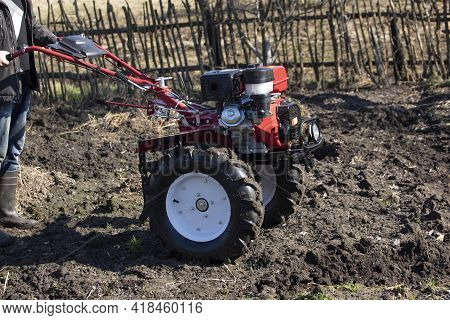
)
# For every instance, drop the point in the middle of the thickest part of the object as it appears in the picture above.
(374, 223)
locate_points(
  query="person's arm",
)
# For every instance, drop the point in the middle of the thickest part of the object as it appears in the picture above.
(41, 35)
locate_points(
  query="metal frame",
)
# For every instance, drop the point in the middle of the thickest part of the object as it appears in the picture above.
(198, 124)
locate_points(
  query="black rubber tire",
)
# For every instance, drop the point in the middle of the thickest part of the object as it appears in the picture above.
(244, 192)
(289, 193)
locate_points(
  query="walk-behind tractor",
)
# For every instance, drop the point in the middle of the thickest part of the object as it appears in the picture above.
(235, 164)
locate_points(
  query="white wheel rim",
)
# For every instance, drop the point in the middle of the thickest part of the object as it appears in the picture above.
(268, 182)
(198, 207)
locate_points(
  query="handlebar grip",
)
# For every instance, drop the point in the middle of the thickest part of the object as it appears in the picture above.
(9, 57)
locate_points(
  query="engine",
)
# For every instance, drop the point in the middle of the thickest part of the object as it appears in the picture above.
(252, 108)
(242, 94)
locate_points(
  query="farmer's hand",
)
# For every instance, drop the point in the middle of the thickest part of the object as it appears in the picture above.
(3, 61)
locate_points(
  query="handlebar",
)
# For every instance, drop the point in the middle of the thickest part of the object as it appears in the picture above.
(133, 76)
(14, 55)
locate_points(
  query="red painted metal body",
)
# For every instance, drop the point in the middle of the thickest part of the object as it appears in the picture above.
(280, 84)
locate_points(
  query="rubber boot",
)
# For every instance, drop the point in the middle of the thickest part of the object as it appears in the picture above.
(9, 217)
(5, 239)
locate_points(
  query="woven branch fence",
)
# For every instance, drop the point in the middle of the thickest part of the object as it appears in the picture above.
(322, 43)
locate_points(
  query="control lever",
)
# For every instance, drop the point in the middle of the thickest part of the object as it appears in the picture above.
(162, 80)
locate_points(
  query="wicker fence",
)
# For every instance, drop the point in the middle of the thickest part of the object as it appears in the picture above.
(326, 42)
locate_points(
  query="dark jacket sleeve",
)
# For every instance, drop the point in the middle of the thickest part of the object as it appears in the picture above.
(41, 35)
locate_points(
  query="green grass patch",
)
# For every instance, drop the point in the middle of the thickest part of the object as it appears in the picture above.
(313, 296)
(71, 92)
(350, 287)
(134, 244)
(445, 84)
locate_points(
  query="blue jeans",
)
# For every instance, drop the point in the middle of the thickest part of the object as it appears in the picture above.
(13, 119)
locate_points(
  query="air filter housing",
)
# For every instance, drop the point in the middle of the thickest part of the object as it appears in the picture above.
(221, 85)
(258, 81)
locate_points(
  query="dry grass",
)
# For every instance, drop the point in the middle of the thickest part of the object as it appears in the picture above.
(136, 5)
(113, 121)
(109, 122)
(139, 122)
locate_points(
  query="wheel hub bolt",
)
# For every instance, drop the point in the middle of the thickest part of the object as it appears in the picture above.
(202, 205)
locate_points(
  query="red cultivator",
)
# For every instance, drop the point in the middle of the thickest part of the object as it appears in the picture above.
(233, 167)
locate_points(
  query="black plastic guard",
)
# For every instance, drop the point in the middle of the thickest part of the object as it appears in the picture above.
(78, 46)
